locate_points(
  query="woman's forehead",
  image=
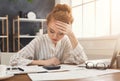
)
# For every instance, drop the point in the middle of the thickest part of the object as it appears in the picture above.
(54, 29)
(52, 26)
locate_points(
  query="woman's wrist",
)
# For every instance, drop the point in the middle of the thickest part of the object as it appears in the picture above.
(73, 39)
(37, 62)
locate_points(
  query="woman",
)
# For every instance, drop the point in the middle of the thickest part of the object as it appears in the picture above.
(59, 45)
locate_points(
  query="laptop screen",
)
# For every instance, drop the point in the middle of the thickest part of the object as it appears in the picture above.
(116, 52)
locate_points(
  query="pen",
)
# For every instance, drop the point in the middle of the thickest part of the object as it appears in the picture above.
(20, 69)
(12, 68)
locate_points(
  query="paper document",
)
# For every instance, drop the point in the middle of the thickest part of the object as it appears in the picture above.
(38, 69)
(72, 72)
(27, 69)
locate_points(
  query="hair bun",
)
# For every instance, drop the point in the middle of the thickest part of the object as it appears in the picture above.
(61, 12)
(62, 7)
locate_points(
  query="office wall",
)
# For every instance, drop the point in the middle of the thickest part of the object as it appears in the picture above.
(13, 7)
(100, 47)
(69, 2)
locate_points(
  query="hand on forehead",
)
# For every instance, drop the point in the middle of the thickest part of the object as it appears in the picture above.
(54, 25)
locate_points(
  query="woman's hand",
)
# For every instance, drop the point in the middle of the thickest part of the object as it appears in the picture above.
(67, 29)
(52, 61)
(64, 27)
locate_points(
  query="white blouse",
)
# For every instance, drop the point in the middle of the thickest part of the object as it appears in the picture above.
(42, 48)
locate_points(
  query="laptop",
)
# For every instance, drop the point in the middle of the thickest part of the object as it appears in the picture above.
(115, 53)
(107, 62)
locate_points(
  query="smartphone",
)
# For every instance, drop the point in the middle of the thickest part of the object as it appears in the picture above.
(51, 67)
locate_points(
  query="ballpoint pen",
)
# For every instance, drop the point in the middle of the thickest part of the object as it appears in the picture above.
(20, 69)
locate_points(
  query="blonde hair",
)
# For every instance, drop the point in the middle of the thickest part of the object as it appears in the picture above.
(61, 12)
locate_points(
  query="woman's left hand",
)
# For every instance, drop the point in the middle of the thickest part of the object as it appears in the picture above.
(67, 29)
(64, 27)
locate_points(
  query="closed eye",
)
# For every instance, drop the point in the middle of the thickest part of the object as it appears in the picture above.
(61, 33)
(51, 30)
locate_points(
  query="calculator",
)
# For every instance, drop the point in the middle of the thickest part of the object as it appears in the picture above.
(52, 67)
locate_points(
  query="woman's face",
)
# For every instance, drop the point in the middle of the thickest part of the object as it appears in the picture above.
(53, 32)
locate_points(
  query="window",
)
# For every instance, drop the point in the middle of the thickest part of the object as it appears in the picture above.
(95, 18)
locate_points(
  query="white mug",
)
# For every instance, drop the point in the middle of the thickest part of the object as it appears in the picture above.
(3, 70)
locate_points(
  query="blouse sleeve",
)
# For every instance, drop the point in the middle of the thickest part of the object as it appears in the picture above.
(25, 55)
(76, 55)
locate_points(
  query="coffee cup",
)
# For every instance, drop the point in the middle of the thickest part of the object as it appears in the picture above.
(3, 70)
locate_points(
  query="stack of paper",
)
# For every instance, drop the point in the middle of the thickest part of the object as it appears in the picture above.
(27, 69)
(72, 72)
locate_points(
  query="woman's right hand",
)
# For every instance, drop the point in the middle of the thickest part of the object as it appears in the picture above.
(51, 61)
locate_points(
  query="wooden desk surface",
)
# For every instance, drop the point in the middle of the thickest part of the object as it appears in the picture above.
(106, 77)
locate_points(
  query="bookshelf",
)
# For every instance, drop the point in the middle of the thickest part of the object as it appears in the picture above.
(16, 30)
(4, 34)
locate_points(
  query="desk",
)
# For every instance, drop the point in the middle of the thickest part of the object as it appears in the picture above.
(107, 77)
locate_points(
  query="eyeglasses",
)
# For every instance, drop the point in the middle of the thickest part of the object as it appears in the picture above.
(91, 65)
